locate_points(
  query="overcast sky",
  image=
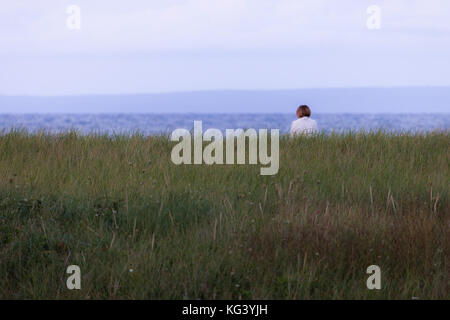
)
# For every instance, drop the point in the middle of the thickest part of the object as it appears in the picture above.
(145, 46)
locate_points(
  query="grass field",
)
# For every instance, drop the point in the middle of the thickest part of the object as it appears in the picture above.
(140, 227)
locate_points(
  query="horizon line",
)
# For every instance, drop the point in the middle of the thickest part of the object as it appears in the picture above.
(222, 90)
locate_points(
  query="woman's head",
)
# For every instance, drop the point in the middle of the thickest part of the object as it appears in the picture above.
(303, 111)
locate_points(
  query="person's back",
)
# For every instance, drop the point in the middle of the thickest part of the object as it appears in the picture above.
(304, 125)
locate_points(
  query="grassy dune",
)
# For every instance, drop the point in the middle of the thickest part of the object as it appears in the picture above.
(140, 227)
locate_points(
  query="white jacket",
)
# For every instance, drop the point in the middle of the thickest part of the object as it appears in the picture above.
(304, 125)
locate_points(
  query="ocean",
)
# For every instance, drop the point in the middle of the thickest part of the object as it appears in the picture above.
(154, 124)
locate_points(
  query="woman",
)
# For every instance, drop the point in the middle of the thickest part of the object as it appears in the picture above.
(303, 125)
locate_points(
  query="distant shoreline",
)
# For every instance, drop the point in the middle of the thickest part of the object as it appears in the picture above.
(328, 100)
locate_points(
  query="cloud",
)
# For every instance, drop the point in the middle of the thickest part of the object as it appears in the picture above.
(199, 25)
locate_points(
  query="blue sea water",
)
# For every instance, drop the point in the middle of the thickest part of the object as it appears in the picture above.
(151, 124)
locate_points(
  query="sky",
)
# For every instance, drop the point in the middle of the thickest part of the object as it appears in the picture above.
(146, 46)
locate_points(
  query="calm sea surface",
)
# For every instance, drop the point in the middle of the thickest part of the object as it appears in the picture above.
(165, 123)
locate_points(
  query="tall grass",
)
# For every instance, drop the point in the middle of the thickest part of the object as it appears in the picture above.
(140, 227)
